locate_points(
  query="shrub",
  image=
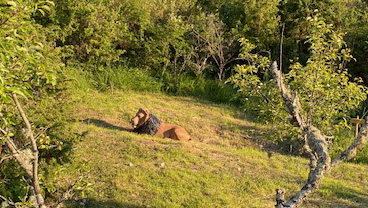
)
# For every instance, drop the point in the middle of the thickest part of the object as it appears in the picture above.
(120, 78)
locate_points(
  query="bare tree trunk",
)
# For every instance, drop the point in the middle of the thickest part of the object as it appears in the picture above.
(220, 72)
(315, 144)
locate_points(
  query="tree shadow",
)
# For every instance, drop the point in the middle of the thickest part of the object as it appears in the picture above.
(351, 197)
(264, 138)
(104, 124)
(61, 133)
(91, 202)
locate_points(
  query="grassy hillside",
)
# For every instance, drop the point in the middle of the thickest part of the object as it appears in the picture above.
(225, 165)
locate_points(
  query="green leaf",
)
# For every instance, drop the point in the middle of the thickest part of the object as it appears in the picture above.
(16, 91)
(12, 3)
(51, 3)
(45, 7)
(28, 93)
(41, 11)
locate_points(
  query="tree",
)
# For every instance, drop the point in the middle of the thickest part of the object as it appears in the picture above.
(216, 44)
(315, 144)
(324, 94)
(28, 64)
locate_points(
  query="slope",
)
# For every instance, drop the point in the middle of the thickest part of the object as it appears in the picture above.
(225, 166)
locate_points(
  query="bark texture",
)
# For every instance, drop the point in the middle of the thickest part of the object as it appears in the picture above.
(315, 144)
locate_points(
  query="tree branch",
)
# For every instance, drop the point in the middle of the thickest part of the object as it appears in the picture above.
(281, 43)
(292, 102)
(350, 152)
(9, 201)
(21, 158)
(315, 144)
(3, 158)
(36, 185)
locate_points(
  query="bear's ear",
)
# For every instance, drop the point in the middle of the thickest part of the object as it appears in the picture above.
(142, 110)
(148, 112)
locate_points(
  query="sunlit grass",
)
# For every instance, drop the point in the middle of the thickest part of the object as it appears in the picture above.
(222, 167)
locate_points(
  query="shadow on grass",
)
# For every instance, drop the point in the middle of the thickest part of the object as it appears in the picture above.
(104, 124)
(351, 197)
(264, 138)
(91, 202)
(64, 134)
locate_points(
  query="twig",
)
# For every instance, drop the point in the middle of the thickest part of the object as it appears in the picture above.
(43, 131)
(5, 158)
(9, 201)
(364, 112)
(281, 43)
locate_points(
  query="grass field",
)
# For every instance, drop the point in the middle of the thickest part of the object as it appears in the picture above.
(226, 164)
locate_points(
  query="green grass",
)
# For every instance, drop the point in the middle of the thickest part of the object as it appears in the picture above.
(226, 164)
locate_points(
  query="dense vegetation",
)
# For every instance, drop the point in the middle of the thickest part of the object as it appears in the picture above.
(217, 50)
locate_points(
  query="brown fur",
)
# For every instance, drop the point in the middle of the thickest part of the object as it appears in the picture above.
(165, 130)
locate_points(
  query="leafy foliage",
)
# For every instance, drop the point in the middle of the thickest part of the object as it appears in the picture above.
(252, 81)
(26, 57)
(324, 81)
(324, 86)
(29, 65)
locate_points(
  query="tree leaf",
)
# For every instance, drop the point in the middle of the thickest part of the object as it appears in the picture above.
(12, 3)
(16, 91)
(45, 7)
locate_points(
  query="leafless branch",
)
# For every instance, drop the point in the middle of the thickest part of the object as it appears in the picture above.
(36, 185)
(359, 142)
(281, 44)
(9, 201)
(43, 131)
(3, 158)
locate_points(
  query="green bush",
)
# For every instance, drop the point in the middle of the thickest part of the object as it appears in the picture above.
(199, 86)
(123, 79)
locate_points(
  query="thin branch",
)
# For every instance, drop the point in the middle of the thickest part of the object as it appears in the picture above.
(39, 134)
(9, 201)
(36, 185)
(281, 44)
(28, 124)
(3, 131)
(3, 158)
(359, 142)
(43, 131)
(206, 41)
